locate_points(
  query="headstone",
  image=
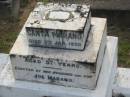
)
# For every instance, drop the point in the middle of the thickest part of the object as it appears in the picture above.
(59, 26)
(55, 65)
(9, 87)
(71, 68)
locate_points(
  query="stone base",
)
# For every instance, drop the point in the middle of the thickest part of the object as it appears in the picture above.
(122, 86)
(9, 87)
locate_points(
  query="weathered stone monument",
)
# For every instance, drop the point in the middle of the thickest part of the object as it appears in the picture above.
(66, 27)
(61, 52)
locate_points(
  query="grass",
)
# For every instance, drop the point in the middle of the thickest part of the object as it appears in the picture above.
(9, 29)
(124, 53)
(8, 34)
(123, 33)
(6, 41)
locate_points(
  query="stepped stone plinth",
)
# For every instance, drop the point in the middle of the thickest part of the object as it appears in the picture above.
(71, 68)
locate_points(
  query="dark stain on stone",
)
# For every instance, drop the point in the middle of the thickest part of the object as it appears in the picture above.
(118, 95)
(12, 55)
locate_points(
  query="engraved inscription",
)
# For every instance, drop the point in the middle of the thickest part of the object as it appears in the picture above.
(46, 33)
(54, 38)
(52, 71)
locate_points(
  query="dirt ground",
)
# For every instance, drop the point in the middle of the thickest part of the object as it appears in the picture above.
(118, 25)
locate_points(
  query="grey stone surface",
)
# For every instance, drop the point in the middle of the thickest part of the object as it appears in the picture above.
(9, 87)
(59, 26)
(70, 68)
(90, 54)
(122, 83)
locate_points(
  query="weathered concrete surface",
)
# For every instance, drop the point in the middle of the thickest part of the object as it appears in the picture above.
(122, 86)
(9, 87)
(111, 4)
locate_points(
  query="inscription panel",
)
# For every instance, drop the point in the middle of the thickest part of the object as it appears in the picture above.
(54, 38)
(54, 71)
